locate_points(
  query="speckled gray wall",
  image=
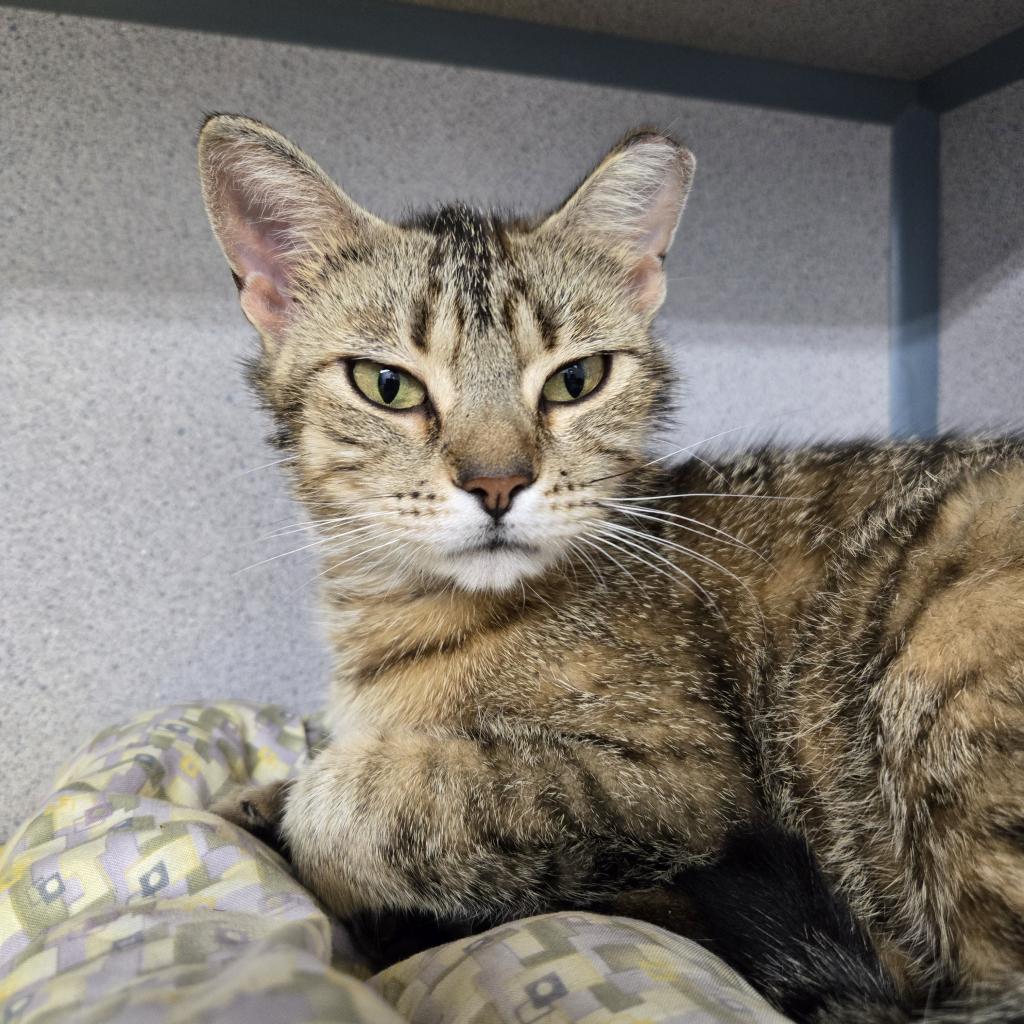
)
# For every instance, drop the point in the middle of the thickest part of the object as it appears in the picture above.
(130, 495)
(981, 348)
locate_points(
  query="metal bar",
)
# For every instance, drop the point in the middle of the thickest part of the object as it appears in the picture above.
(914, 274)
(998, 64)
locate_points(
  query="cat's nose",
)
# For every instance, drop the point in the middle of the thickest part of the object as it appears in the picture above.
(495, 493)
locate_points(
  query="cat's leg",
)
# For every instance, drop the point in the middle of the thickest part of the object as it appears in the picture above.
(950, 723)
(502, 825)
(257, 809)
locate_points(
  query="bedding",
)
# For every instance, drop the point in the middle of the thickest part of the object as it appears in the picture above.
(123, 899)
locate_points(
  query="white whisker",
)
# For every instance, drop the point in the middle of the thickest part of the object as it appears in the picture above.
(712, 494)
(282, 554)
(704, 462)
(544, 602)
(314, 524)
(345, 561)
(571, 549)
(327, 538)
(256, 469)
(659, 515)
(671, 454)
(400, 569)
(597, 547)
(619, 528)
(589, 561)
(606, 539)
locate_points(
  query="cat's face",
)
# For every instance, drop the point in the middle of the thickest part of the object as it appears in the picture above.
(459, 393)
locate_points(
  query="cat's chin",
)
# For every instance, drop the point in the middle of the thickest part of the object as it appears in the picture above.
(495, 568)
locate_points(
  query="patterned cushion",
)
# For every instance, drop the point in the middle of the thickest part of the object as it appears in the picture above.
(122, 899)
(580, 968)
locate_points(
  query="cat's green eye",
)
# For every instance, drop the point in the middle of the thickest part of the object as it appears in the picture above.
(387, 386)
(575, 381)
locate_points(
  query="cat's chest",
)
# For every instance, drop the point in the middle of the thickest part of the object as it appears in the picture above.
(546, 676)
(450, 687)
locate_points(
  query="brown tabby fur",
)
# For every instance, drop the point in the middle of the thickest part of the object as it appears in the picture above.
(832, 636)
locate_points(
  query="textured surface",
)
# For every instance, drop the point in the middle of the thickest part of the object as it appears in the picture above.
(122, 899)
(981, 359)
(904, 39)
(126, 498)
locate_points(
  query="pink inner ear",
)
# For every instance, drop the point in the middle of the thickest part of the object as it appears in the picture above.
(259, 245)
(648, 283)
(656, 226)
(265, 306)
(259, 251)
(659, 221)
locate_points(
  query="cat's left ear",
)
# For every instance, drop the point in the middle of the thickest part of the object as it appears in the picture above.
(274, 212)
(631, 203)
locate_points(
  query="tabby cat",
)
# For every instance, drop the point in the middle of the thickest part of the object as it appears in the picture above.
(563, 671)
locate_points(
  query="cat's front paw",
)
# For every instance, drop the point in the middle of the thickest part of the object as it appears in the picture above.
(257, 809)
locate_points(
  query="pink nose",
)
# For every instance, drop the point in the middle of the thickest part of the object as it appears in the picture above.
(495, 493)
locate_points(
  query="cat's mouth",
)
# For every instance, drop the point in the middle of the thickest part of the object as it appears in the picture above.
(500, 544)
(494, 561)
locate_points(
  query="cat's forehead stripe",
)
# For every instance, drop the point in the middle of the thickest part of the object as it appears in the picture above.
(420, 323)
(547, 323)
(470, 263)
(466, 248)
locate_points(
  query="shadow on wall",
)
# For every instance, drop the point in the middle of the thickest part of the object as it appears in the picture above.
(981, 366)
(127, 501)
(787, 223)
(982, 198)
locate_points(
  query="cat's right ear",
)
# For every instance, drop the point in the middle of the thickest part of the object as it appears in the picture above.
(631, 204)
(273, 210)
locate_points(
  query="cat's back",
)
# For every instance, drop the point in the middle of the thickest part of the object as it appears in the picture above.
(890, 709)
(842, 565)
(835, 525)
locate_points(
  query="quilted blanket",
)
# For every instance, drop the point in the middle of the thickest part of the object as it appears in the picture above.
(124, 900)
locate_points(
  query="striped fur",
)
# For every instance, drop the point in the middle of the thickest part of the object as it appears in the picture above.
(593, 694)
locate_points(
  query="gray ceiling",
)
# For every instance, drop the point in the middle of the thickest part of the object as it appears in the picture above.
(901, 38)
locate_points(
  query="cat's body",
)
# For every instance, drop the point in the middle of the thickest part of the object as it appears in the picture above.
(864, 685)
(561, 673)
